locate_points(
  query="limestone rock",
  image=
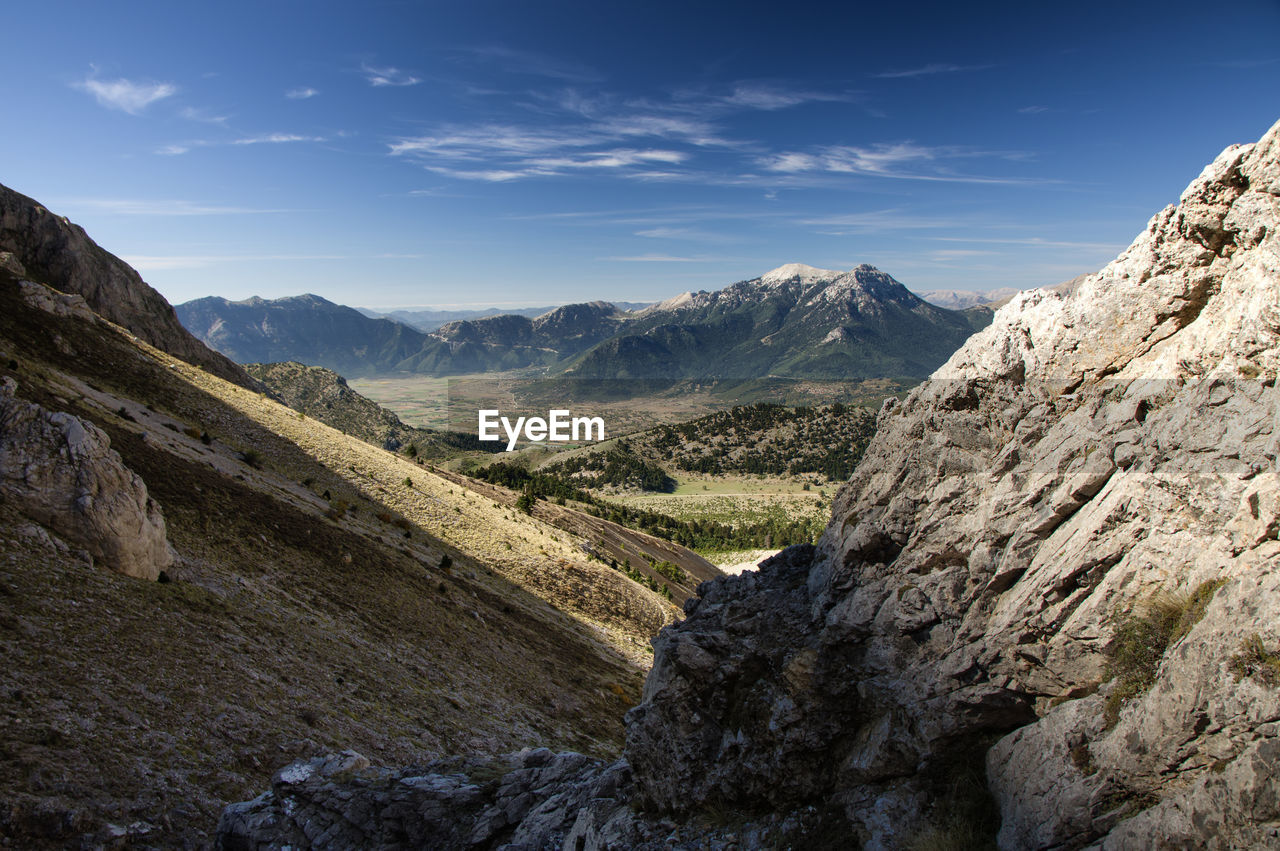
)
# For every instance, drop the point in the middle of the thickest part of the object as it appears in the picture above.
(525, 800)
(1085, 453)
(61, 472)
(53, 251)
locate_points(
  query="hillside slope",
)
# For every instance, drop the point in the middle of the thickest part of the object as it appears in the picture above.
(318, 593)
(1055, 568)
(325, 395)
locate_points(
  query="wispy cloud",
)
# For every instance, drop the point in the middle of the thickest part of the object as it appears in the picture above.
(203, 116)
(773, 97)
(277, 139)
(388, 76)
(897, 160)
(126, 95)
(689, 234)
(301, 93)
(576, 130)
(500, 153)
(930, 70)
(179, 148)
(1033, 109)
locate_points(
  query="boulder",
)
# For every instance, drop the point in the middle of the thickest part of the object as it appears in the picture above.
(61, 472)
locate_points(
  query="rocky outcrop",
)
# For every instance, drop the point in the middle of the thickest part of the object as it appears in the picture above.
(1054, 570)
(528, 799)
(60, 254)
(325, 395)
(61, 472)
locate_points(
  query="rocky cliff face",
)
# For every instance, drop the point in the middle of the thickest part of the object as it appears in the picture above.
(56, 252)
(1054, 570)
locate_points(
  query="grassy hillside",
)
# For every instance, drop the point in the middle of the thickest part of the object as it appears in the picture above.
(326, 594)
(324, 394)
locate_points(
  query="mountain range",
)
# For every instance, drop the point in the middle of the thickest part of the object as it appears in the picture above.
(795, 321)
(429, 320)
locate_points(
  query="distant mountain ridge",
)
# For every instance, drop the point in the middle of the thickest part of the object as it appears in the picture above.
(428, 320)
(304, 328)
(796, 321)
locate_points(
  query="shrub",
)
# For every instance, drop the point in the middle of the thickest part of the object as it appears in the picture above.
(1256, 661)
(672, 572)
(1143, 635)
(252, 457)
(445, 562)
(408, 482)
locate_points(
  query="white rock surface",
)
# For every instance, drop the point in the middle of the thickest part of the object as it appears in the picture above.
(61, 472)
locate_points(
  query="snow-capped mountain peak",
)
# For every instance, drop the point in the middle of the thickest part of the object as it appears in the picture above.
(807, 274)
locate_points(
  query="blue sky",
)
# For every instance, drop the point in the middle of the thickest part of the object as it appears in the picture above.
(510, 153)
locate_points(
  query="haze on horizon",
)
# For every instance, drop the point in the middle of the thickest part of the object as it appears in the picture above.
(394, 154)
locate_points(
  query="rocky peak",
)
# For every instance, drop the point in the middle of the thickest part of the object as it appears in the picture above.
(60, 254)
(797, 272)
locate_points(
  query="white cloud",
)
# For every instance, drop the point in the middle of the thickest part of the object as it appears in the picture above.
(792, 162)
(301, 93)
(619, 158)
(509, 152)
(389, 76)
(193, 114)
(691, 130)
(930, 70)
(769, 97)
(487, 175)
(689, 234)
(277, 139)
(897, 160)
(180, 148)
(126, 95)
